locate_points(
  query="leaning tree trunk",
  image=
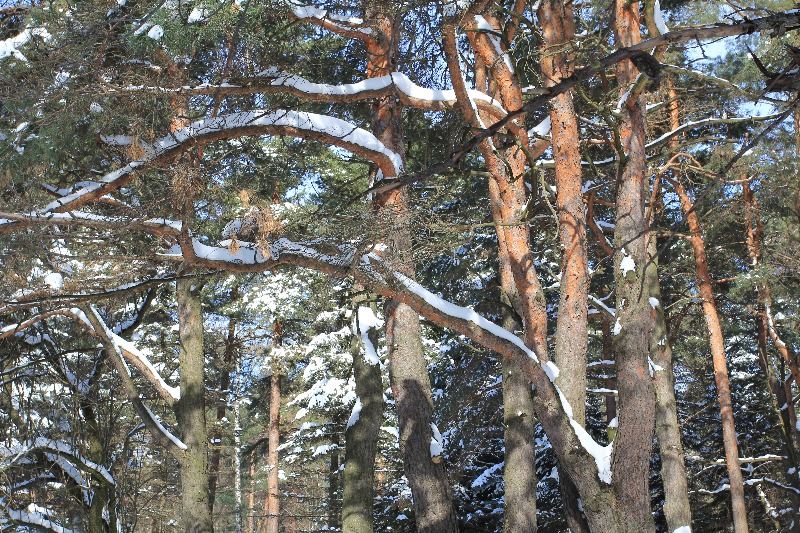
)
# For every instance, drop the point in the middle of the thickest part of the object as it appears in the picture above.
(633, 327)
(517, 275)
(190, 410)
(408, 373)
(720, 364)
(361, 436)
(677, 510)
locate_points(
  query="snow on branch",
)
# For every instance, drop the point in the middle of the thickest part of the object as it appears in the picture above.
(158, 226)
(34, 516)
(13, 453)
(663, 139)
(272, 80)
(298, 124)
(408, 91)
(346, 26)
(372, 272)
(127, 350)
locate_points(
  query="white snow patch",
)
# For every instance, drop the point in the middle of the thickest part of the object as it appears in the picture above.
(198, 14)
(627, 264)
(484, 477)
(653, 366)
(617, 327)
(542, 129)
(54, 280)
(355, 415)
(366, 321)
(682, 529)
(658, 15)
(653, 302)
(156, 32)
(437, 444)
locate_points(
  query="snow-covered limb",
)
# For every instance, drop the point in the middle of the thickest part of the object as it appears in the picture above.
(161, 434)
(720, 82)
(157, 226)
(33, 517)
(12, 454)
(298, 124)
(372, 272)
(352, 27)
(272, 80)
(134, 356)
(665, 138)
(9, 330)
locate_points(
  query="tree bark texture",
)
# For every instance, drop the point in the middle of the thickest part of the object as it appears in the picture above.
(677, 510)
(633, 328)
(224, 384)
(519, 473)
(572, 324)
(190, 410)
(720, 364)
(361, 442)
(408, 374)
(272, 502)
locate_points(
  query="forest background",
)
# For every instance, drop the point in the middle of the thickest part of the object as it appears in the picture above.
(399, 266)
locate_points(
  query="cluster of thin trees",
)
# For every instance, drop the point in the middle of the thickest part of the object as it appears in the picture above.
(554, 138)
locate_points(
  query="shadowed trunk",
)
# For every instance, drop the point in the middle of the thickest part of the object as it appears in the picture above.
(668, 431)
(519, 472)
(361, 440)
(224, 384)
(408, 373)
(190, 410)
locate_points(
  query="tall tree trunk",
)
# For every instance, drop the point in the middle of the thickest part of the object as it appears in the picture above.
(334, 513)
(361, 435)
(720, 365)
(572, 324)
(251, 498)
(222, 407)
(237, 464)
(519, 473)
(408, 374)
(633, 327)
(518, 278)
(677, 510)
(272, 502)
(190, 410)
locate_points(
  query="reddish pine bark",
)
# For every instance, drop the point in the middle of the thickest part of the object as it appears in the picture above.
(272, 502)
(720, 365)
(633, 328)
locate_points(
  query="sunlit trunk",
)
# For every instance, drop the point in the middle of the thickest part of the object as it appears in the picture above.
(720, 364)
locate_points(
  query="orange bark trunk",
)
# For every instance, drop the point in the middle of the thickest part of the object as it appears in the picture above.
(272, 503)
(720, 365)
